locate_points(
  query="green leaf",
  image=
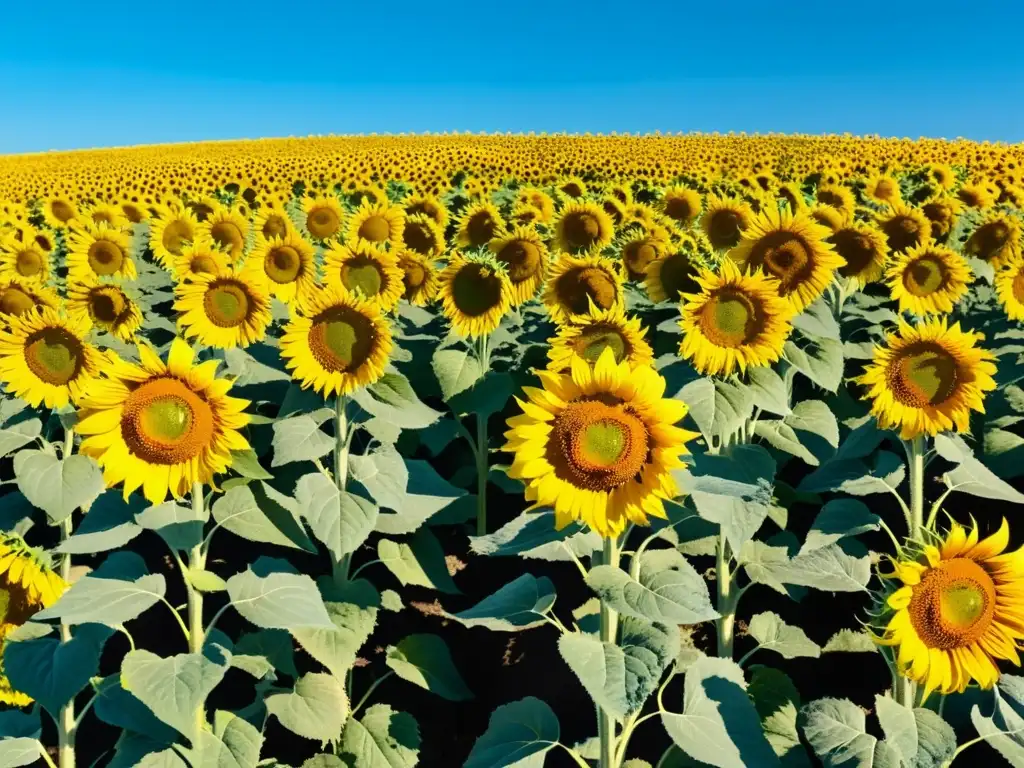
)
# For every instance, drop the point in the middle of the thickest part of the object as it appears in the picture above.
(420, 561)
(109, 601)
(456, 370)
(51, 672)
(273, 599)
(110, 524)
(821, 361)
(854, 477)
(817, 321)
(247, 464)
(341, 521)
(773, 634)
(234, 743)
(315, 709)
(669, 590)
(299, 438)
(177, 525)
(486, 396)
(205, 581)
(275, 645)
(970, 475)
(19, 751)
(392, 398)
(778, 703)
(426, 661)
(58, 486)
(781, 436)
(816, 418)
(1003, 729)
(768, 390)
(383, 474)
(352, 608)
(381, 738)
(174, 688)
(255, 512)
(518, 735)
(19, 435)
(15, 723)
(719, 724)
(849, 641)
(391, 601)
(838, 519)
(829, 568)
(325, 761)
(717, 407)
(533, 535)
(121, 709)
(520, 604)
(837, 731)
(389, 478)
(621, 676)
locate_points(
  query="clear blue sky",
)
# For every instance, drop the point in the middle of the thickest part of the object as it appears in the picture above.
(75, 74)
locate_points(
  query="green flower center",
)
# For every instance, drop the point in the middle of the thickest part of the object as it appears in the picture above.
(925, 276)
(29, 263)
(341, 339)
(364, 275)
(105, 257)
(14, 301)
(226, 304)
(595, 339)
(227, 235)
(322, 223)
(729, 319)
(167, 419)
(54, 355)
(602, 443)
(175, 235)
(962, 603)
(923, 374)
(375, 229)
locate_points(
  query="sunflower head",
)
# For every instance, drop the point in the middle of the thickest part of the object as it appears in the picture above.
(596, 331)
(18, 297)
(904, 227)
(838, 197)
(928, 378)
(928, 280)
(426, 205)
(942, 175)
(133, 211)
(102, 213)
(598, 444)
(171, 230)
(976, 195)
(423, 235)
(476, 293)
(955, 611)
(377, 225)
(942, 213)
(524, 257)
(271, 222)
(583, 228)
(865, 251)
(227, 229)
(321, 217)
(58, 211)
(883, 188)
(1009, 288)
(286, 265)
(104, 305)
(419, 276)
(724, 220)
(827, 216)
(366, 271)
(639, 249)
(224, 310)
(578, 282)
(200, 258)
(22, 258)
(996, 241)
(791, 194)
(480, 223)
(572, 187)
(539, 199)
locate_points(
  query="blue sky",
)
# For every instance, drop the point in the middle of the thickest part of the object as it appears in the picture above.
(76, 75)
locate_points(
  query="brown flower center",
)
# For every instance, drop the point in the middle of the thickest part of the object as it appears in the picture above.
(925, 276)
(476, 290)
(725, 229)
(342, 339)
(576, 286)
(923, 374)
(54, 355)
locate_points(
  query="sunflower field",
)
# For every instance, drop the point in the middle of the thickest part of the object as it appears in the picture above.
(493, 451)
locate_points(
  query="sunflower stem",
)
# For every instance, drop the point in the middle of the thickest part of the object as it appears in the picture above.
(66, 718)
(484, 355)
(906, 689)
(342, 441)
(196, 633)
(609, 632)
(726, 623)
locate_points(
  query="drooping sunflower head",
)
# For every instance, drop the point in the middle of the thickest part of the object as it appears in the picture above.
(162, 426)
(200, 258)
(203, 207)
(1009, 288)
(476, 293)
(639, 249)
(525, 216)
(942, 213)
(227, 229)
(928, 378)
(583, 227)
(957, 610)
(724, 220)
(793, 249)
(18, 297)
(675, 273)
(621, 192)
(576, 283)
(224, 310)
(133, 211)
(44, 358)
(883, 188)
(104, 305)
(28, 584)
(480, 223)
(615, 210)
(171, 230)
(598, 444)
(427, 205)
(737, 321)
(321, 218)
(996, 240)
(865, 251)
(22, 258)
(596, 331)
(525, 258)
(337, 343)
(572, 187)
(681, 204)
(286, 265)
(58, 211)
(377, 225)
(928, 280)
(839, 197)
(423, 235)
(419, 276)
(366, 271)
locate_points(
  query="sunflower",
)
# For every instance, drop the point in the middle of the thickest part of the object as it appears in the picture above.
(976, 196)
(639, 249)
(419, 276)
(958, 611)
(224, 310)
(423, 235)
(724, 220)
(525, 215)
(681, 204)
(597, 331)
(928, 378)
(376, 225)
(171, 229)
(615, 209)
(836, 196)
(18, 297)
(133, 211)
(1009, 288)
(672, 275)
(200, 258)
(287, 265)
(864, 250)
(44, 358)
(942, 213)
(204, 206)
(41, 238)
(227, 229)
(478, 225)
(372, 273)
(525, 259)
(161, 427)
(928, 280)
(103, 213)
(336, 343)
(826, 216)
(573, 187)
(942, 175)
(598, 444)
(271, 222)
(100, 251)
(791, 248)
(904, 227)
(792, 195)
(22, 258)
(475, 294)
(322, 217)
(737, 320)
(583, 228)
(105, 306)
(577, 282)
(58, 211)
(883, 188)
(539, 199)
(429, 206)
(996, 241)
(27, 585)
(621, 192)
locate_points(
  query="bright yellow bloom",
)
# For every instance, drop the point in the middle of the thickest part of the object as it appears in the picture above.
(928, 280)
(105, 306)
(576, 283)
(596, 331)
(475, 294)
(366, 271)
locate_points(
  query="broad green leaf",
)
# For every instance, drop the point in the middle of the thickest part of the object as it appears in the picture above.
(719, 724)
(341, 521)
(324, 760)
(121, 709)
(855, 477)
(739, 519)
(518, 735)
(621, 676)
(778, 704)
(391, 601)
(275, 645)
(352, 608)
(850, 641)
(718, 408)
(768, 390)
(109, 525)
(273, 599)
(838, 519)
(433, 498)
(19, 751)
(456, 370)
(174, 688)
(820, 360)
(420, 561)
(299, 438)
(15, 723)
(970, 475)
(533, 535)
(426, 661)
(1003, 728)
(486, 396)
(381, 738)
(520, 604)
(773, 634)
(177, 525)
(256, 512)
(816, 418)
(392, 398)
(837, 730)
(669, 590)
(205, 581)
(19, 435)
(315, 709)
(383, 474)
(233, 743)
(829, 568)
(247, 464)
(110, 601)
(58, 486)
(741, 471)
(817, 321)
(781, 436)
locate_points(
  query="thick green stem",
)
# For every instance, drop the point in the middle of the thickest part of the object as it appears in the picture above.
(342, 440)
(906, 689)
(66, 718)
(726, 624)
(481, 474)
(609, 634)
(196, 631)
